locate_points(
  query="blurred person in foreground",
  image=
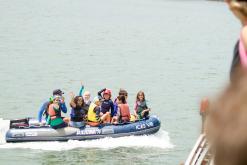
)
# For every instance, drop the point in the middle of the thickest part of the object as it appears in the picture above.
(226, 123)
(239, 9)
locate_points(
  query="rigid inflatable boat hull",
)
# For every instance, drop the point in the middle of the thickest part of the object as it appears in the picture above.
(45, 133)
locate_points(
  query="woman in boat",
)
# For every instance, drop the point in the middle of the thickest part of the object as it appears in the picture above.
(239, 62)
(54, 119)
(141, 109)
(94, 115)
(78, 112)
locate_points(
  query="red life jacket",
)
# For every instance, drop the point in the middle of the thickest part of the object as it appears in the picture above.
(124, 112)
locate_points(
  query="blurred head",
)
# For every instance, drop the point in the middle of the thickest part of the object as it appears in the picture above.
(121, 99)
(140, 96)
(123, 92)
(238, 7)
(227, 125)
(56, 99)
(107, 94)
(86, 95)
(79, 101)
(96, 101)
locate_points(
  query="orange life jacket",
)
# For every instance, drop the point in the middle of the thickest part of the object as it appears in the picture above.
(124, 112)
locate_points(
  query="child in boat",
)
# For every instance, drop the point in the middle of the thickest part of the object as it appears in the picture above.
(94, 115)
(78, 112)
(107, 104)
(123, 109)
(115, 117)
(141, 109)
(54, 119)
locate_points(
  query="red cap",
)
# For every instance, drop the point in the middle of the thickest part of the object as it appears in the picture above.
(107, 91)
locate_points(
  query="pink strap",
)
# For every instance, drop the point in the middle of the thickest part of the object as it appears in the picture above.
(242, 53)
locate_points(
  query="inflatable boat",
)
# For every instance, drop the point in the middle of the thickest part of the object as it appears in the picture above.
(27, 130)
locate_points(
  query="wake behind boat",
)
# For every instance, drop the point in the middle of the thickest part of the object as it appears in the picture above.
(27, 130)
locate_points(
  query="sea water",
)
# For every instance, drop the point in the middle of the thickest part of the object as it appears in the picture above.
(175, 51)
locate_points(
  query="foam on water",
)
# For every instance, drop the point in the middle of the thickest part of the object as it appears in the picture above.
(158, 140)
(4, 126)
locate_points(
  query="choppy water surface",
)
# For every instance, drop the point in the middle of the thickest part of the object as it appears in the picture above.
(176, 51)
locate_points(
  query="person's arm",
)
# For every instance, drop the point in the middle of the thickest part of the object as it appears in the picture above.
(63, 107)
(41, 110)
(135, 109)
(72, 102)
(112, 109)
(243, 47)
(81, 90)
(115, 109)
(100, 93)
(97, 111)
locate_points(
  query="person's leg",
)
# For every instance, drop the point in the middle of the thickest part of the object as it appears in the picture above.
(66, 120)
(145, 113)
(114, 120)
(62, 125)
(106, 118)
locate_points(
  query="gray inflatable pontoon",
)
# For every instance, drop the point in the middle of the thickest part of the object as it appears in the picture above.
(27, 130)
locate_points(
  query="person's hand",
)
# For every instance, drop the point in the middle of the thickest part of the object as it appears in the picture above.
(72, 95)
(82, 84)
(62, 99)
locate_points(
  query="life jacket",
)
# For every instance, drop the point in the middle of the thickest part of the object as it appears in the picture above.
(56, 121)
(91, 115)
(77, 114)
(57, 111)
(46, 114)
(141, 106)
(124, 112)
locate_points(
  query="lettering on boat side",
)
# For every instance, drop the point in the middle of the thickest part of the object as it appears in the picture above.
(18, 135)
(144, 125)
(31, 134)
(89, 132)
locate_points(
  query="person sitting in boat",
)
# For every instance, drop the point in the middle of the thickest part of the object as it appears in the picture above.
(115, 117)
(78, 112)
(107, 103)
(123, 109)
(54, 114)
(86, 97)
(44, 107)
(94, 115)
(141, 109)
